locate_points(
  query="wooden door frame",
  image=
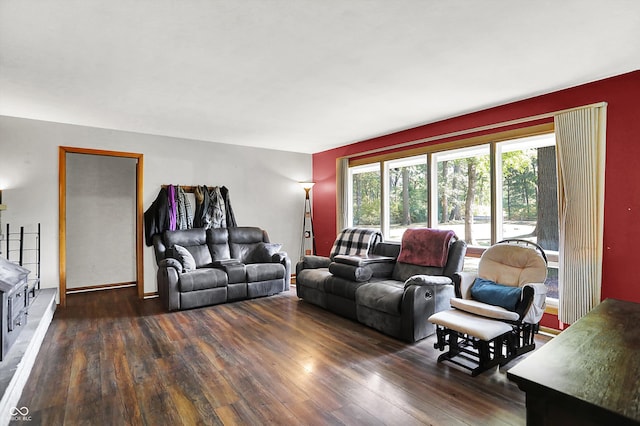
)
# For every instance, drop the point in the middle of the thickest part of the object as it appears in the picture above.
(62, 202)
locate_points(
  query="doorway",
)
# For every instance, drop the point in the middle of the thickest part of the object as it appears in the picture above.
(100, 197)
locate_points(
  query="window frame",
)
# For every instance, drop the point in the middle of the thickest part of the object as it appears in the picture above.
(491, 139)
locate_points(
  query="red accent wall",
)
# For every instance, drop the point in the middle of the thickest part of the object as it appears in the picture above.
(622, 180)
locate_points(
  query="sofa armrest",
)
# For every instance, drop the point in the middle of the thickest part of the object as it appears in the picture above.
(220, 263)
(433, 280)
(170, 262)
(313, 262)
(168, 276)
(419, 302)
(350, 272)
(159, 249)
(283, 259)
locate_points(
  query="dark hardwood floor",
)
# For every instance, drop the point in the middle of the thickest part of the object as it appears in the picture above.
(109, 359)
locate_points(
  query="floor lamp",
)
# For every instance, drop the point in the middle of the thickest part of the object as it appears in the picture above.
(307, 223)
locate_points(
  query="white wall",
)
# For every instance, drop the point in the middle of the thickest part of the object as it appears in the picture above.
(262, 183)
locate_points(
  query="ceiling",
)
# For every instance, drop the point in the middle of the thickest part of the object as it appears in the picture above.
(298, 75)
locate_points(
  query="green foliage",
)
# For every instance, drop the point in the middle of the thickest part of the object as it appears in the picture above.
(408, 190)
(519, 185)
(366, 199)
(453, 185)
(417, 194)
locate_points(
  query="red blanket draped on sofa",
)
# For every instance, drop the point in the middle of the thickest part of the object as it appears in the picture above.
(425, 246)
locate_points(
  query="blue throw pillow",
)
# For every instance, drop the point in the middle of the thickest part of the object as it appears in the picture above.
(486, 291)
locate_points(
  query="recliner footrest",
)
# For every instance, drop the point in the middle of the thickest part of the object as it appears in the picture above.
(473, 325)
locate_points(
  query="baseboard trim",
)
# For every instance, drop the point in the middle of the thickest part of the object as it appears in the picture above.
(100, 287)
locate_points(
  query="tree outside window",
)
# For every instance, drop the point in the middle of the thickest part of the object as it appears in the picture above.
(463, 193)
(407, 188)
(364, 196)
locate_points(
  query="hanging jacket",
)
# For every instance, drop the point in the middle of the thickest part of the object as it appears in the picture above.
(217, 212)
(185, 213)
(231, 219)
(156, 217)
(202, 205)
(173, 208)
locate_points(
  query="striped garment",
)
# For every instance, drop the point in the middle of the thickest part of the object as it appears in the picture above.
(355, 241)
(185, 212)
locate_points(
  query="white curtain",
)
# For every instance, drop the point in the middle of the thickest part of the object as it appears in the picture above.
(580, 144)
(342, 201)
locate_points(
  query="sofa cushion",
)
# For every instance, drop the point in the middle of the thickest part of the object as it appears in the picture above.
(201, 255)
(247, 235)
(218, 242)
(194, 240)
(344, 288)
(264, 271)
(404, 271)
(382, 296)
(262, 252)
(242, 251)
(244, 240)
(185, 258)
(185, 238)
(202, 279)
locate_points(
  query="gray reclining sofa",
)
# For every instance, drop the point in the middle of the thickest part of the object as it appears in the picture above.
(200, 267)
(378, 291)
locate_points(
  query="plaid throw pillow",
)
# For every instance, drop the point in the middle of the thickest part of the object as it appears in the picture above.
(355, 241)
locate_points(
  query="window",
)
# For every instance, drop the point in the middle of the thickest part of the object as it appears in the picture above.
(407, 189)
(527, 190)
(527, 196)
(463, 193)
(485, 190)
(364, 196)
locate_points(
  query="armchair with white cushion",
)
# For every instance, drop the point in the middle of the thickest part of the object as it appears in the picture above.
(497, 311)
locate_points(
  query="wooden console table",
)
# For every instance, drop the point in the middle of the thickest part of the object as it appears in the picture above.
(589, 374)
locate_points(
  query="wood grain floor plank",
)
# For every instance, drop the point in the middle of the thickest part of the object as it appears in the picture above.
(109, 358)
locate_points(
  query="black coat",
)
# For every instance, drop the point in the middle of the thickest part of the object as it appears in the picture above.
(156, 218)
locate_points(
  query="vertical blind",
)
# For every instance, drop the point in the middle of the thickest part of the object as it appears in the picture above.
(342, 193)
(580, 144)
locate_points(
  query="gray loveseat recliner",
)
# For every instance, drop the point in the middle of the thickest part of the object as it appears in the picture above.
(200, 267)
(378, 291)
